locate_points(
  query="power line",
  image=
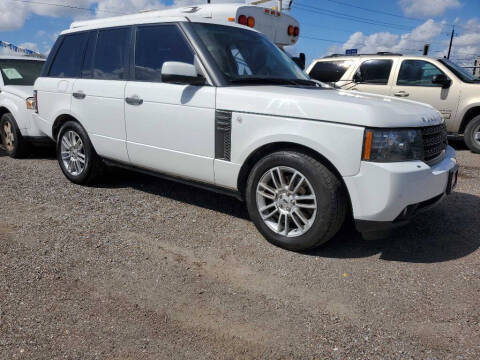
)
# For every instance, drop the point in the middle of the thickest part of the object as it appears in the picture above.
(359, 19)
(67, 6)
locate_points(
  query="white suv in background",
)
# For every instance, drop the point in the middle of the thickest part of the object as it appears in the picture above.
(451, 89)
(17, 75)
(219, 106)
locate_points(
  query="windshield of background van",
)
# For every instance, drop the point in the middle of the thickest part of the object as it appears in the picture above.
(20, 72)
(242, 54)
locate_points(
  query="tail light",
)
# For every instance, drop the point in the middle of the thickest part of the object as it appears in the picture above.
(242, 20)
(290, 30)
(296, 31)
(35, 103)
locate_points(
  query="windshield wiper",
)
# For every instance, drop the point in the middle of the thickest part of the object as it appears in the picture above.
(279, 81)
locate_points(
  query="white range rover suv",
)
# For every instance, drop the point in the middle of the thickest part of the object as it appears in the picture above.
(17, 131)
(220, 106)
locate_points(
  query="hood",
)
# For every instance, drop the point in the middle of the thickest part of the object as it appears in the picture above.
(347, 107)
(22, 91)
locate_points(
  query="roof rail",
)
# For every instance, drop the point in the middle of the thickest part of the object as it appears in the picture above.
(382, 53)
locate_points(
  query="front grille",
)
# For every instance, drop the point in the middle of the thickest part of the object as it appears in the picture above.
(434, 142)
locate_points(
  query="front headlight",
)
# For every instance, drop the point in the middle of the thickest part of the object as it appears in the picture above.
(393, 145)
(31, 103)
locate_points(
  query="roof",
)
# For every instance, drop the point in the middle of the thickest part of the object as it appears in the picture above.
(170, 15)
(373, 56)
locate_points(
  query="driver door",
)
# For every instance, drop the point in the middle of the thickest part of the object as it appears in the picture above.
(415, 82)
(170, 127)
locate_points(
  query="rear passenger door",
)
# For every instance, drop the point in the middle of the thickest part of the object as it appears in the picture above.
(98, 94)
(171, 127)
(374, 76)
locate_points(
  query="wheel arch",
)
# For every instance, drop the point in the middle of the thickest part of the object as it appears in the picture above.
(469, 115)
(59, 121)
(4, 110)
(270, 148)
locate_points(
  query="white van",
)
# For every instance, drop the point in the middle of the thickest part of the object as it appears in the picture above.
(219, 106)
(454, 91)
(17, 131)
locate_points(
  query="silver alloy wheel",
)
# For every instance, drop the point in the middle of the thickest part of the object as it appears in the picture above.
(9, 137)
(476, 135)
(73, 153)
(286, 201)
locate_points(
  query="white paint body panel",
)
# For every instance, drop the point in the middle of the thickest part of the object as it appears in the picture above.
(173, 130)
(103, 115)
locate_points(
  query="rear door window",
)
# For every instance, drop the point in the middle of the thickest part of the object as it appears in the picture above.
(156, 45)
(111, 54)
(375, 72)
(66, 63)
(329, 71)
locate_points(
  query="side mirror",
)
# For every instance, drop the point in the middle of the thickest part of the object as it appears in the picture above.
(358, 78)
(181, 73)
(442, 80)
(300, 60)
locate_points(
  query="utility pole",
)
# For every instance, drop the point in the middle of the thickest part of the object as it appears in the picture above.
(451, 42)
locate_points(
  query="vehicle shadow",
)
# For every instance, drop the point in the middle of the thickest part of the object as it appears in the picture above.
(121, 178)
(446, 232)
(43, 152)
(458, 144)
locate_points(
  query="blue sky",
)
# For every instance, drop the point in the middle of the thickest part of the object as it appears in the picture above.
(369, 25)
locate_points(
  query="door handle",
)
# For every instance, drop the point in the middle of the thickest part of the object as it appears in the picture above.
(134, 100)
(79, 95)
(401, 94)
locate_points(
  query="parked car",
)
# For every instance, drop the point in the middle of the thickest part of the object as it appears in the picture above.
(219, 106)
(454, 91)
(17, 75)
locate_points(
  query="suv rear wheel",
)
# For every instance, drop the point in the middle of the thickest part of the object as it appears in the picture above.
(12, 139)
(295, 201)
(472, 135)
(76, 155)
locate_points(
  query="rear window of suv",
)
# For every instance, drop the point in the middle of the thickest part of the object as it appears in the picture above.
(20, 72)
(329, 71)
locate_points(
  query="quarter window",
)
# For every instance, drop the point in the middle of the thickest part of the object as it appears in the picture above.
(111, 54)
(329, 71)
(374, 72)
(417, 73)
(66, 63)
(156, 45)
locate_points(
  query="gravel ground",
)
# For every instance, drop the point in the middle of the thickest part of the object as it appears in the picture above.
(141, 268)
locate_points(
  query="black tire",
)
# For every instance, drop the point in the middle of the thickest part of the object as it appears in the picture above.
(92, 162)
(330, 199)
(471, 131)
(17, 147)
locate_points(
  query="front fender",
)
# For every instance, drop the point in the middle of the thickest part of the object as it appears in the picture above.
(13, 106)
(338, 143)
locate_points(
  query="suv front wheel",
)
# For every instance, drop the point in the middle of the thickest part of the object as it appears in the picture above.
(295, 201)
(472, 135)
(76, 155)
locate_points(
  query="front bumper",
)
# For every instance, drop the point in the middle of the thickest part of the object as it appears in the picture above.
(388, 194)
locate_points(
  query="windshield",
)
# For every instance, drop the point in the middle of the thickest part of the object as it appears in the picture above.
(20, 72)
(462, 73)
(248, 56)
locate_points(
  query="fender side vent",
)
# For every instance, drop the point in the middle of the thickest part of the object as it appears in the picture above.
(223, 135)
